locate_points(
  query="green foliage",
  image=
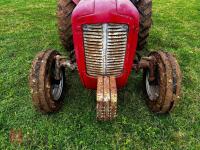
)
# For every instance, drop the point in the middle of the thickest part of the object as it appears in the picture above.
(29, 26)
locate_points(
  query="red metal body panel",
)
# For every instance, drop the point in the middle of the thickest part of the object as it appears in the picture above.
(105, 11)
(76, 1)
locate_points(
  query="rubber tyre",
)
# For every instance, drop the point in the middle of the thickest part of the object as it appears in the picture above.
(168, 80)
(40, 82)
(145, 10)
(64, 12)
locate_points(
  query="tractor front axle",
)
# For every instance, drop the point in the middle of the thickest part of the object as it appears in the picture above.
(146, 63)
(61, 62)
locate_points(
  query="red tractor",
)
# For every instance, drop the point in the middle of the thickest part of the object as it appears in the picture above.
(103, 38)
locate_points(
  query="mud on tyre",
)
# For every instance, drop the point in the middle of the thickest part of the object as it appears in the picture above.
(163, 93)
(47, 93)
(64, 12)
(145, 10)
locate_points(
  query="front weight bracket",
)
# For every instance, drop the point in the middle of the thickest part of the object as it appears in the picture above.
(106, 98)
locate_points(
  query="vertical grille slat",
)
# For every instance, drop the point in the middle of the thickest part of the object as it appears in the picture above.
(105, 48)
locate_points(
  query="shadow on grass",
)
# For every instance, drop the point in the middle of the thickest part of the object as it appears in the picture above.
(80, 103)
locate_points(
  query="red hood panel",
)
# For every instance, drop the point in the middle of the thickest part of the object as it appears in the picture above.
(100, 12)
(105, 8)
(84, 7)
(123, 7)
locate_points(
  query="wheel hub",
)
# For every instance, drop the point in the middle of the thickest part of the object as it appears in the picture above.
(57, 87)
(152, 89)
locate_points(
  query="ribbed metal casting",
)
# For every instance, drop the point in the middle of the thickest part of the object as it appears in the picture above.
(105, 48)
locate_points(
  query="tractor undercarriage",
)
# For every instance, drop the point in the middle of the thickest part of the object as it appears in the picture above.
(107, 35)
(162, 80)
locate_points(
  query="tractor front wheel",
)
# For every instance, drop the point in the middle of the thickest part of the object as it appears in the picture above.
(47, 92)
(164, 90)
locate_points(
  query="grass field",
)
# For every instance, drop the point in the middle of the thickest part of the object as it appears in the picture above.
(29, 26)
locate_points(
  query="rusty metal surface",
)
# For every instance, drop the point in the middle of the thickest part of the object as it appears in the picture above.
(40, 82)
(61, 62)
(169, 77)
(176, 79)
(105, 48)
(106, 98)
(33, 80)
(147, 63)
(58, 67)
(113, 104)
(167, 96)
(100, 98)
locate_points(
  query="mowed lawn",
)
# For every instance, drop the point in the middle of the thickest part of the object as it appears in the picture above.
(29, 26)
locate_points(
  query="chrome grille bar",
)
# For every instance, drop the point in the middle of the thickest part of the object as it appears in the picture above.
(104, 51)
(105, 48)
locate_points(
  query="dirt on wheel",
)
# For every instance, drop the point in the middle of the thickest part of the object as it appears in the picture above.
(145, 10)
(40, 81)
(64, 13)
(169, 82)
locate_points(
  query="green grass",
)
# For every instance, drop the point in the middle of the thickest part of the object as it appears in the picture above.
(29, 26)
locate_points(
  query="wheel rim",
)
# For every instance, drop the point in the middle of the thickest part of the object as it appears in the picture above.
(152, 89)
(57, 87)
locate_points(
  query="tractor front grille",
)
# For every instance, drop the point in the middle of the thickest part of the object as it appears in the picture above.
(105, 48)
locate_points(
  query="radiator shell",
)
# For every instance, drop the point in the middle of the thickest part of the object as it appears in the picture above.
(105, 48)
(101, 12)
